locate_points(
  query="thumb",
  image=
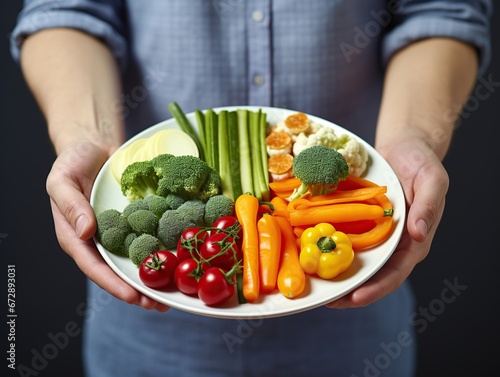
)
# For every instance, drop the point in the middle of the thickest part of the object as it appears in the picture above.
(430, 187)
(69, 184)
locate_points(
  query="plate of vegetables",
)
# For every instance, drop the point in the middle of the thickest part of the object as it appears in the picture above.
(214, 212)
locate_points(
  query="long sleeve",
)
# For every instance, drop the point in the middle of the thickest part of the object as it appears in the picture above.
(465, 20)
(101, 19)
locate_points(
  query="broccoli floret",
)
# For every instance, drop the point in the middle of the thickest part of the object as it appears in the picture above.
(319, 169)
(175, 221)
(193, 210)
(143, 221)
(161, 167)
(174, 201)
(128, 241)
(113, 240)
(139, 180)
(216, 207)
(212, 185)
(112, 229)
(111, 218)
(142, 246)
(156, 204)
(183, 176)
(159, 163)
(134, 206)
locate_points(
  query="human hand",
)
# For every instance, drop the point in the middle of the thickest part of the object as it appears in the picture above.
(425, 183)
(69, 184)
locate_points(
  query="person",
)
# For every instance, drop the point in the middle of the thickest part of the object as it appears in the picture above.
(390, 71)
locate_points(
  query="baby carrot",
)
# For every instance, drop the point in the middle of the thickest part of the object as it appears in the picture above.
(269, 252)
(291, 276)
(246, 208)
(341, 212)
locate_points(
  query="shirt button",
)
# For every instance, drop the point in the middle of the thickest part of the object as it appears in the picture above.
(258, 80)
(257, 15)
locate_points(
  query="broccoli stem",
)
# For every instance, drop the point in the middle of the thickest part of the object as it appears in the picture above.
(299, 191)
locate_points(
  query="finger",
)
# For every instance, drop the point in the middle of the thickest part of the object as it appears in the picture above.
(91, 264)
(69, 184)
(430, 187)
(389, 277)
(90, 261)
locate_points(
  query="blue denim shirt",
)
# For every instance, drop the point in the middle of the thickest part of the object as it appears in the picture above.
(323, 57)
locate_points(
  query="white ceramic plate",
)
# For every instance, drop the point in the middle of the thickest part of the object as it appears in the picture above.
(106, 194)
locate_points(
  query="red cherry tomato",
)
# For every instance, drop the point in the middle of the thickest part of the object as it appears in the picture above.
(187, 274)
(220, 250)
(190, 238)
(214, 287)
(157, 270)
(226, 222)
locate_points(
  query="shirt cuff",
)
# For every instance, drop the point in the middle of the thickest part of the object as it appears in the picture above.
(419, 28)
(29, 24)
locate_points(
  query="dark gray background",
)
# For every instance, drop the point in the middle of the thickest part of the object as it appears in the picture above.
(458, 332)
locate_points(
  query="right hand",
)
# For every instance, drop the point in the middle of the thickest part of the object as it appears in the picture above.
(69, 184)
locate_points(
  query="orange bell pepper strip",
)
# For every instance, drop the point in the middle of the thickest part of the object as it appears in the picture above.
(379, 233)
(338, 196)
(341, 212)
(285, 185)
(383, 226)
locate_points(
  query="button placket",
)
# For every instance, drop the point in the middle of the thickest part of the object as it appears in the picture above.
(259, 52)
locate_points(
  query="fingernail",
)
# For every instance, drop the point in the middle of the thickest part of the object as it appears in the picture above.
(422, 227)
(81, 225)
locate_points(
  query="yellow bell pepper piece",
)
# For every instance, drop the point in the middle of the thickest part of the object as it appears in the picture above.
(325, 251)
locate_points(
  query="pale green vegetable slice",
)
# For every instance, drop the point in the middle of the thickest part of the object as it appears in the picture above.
(125, 156)
(171, 141)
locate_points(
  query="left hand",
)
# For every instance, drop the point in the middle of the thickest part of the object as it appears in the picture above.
(425, 183)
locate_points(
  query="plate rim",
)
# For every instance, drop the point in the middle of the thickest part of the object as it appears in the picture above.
(275, 298)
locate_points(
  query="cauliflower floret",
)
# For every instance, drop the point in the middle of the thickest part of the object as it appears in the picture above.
(322, 135)
(354, 152)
